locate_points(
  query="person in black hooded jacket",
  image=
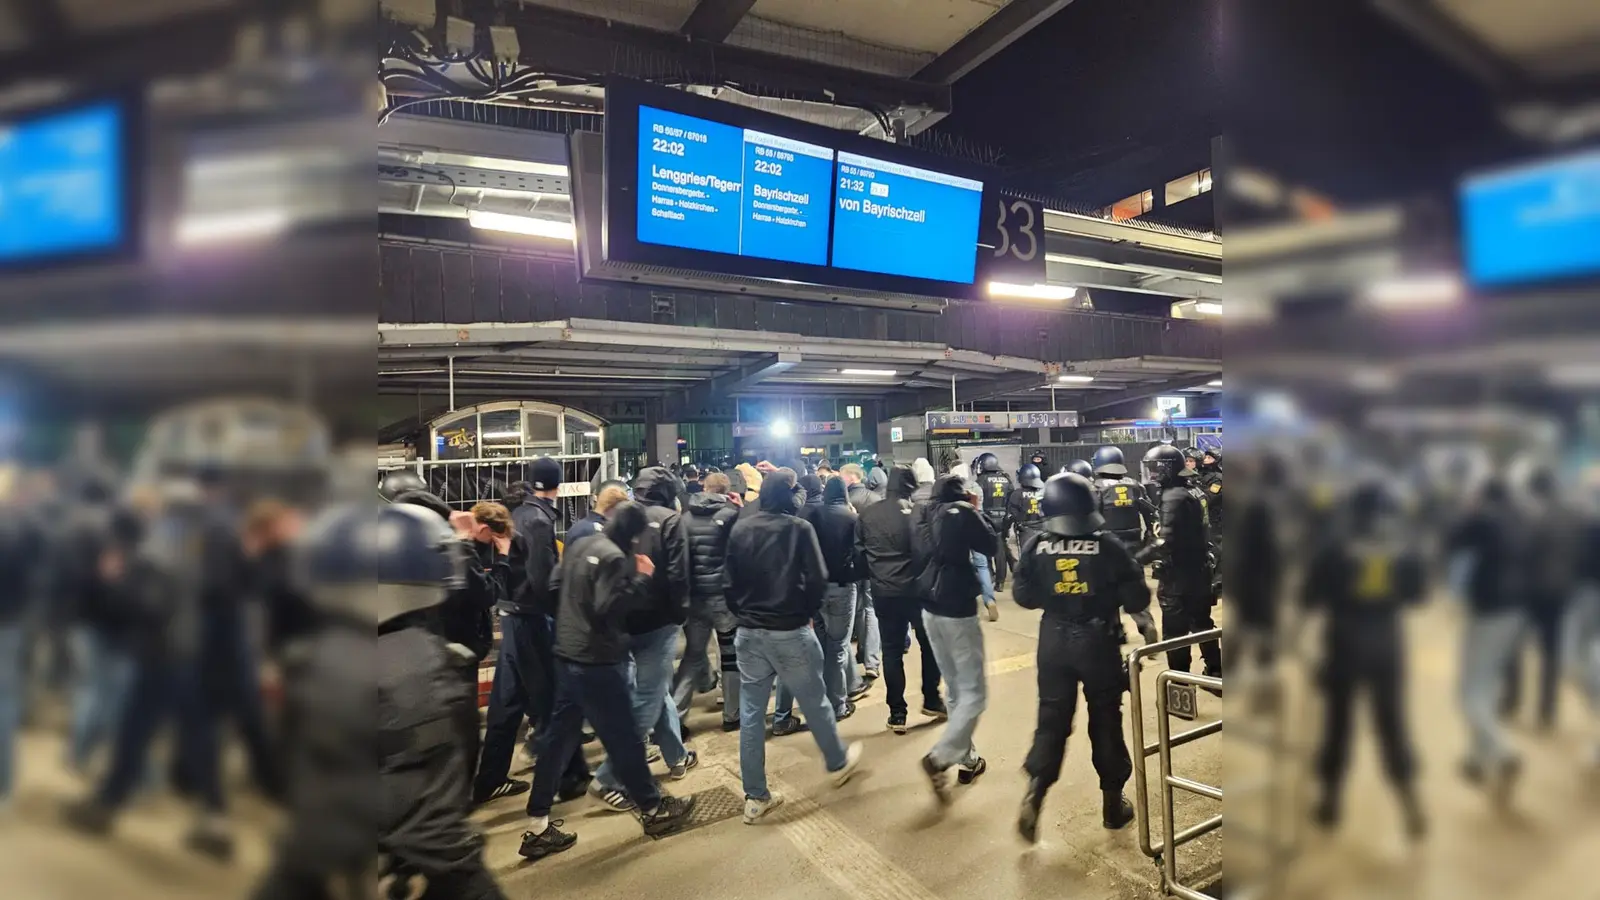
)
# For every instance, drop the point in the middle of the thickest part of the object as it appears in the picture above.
(653, 628)
(709, 519)
(887, 550)
(835, 524)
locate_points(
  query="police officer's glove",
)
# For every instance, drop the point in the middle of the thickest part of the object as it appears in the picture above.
(1146, 624)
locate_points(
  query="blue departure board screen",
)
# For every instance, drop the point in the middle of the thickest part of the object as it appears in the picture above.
(901, 220)
(1534, 223)
(62, 183)
(708, 186)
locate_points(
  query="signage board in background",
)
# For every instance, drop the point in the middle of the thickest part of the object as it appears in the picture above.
(896, 434)
(1000, 421)
(1011, 241)
(1175, 407)
(762, 429)
(1533, 223)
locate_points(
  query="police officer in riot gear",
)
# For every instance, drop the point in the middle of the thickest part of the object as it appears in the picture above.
(1122, 503)
(1209, 480)
(1364, 579)
(1024, 514)
(1181, 553)
(400, 481)
(994, 489)
(1080, 575)
(1080, 467)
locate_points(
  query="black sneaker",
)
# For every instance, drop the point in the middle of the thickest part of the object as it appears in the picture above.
(897, 722)
(848, 711)
(937, 711)
(570, 790)
(88, 817)
(211, 841)
(681, 770)
(730, 725)
(511, 787)
(787, 726)
(969, 774)
(552, 840)
(668, 816)
(1028, 816)
(861, 691)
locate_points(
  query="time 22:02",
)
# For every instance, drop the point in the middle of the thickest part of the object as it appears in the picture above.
(662, 145)
(769, 168)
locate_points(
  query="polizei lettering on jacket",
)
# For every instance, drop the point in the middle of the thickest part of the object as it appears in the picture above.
(680, 177)
(1073, 547)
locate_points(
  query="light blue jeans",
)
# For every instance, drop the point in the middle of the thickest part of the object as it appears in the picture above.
(869, 642)
(834, 627)
(794, 659)
(958, 648)
(1490, 642)
(985, 577)
(12, 686)
(650, 677)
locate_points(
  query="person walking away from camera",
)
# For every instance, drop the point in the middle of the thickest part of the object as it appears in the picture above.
(774, 580)
(606, 499)
(602, 581)
(923, 470)
(951, 530)
(653, 628)
(1128, 513)
(692, 477)
(20, 547)
(97, 630)
(994, 490)
(887, 547)
(1181, 554)
(869, 642)
(836, 535)
(1081, 576)
(1255, 570)
(1363, 578)
(709, 520)
(1487, 551)
(1554, 542)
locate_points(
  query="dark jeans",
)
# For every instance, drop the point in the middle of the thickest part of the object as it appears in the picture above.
(285, 883)
(1070, 654)
(523, 685)
(165, 689)
(695, 674)
(895, 615)
(1373, 661)
(1544, 622)
(600, 694)
(233, 685)
(1187, 613)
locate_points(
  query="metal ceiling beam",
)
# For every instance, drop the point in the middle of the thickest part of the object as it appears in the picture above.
(1146, 390)
(714, 20)
(1012, 21)
(908, 402)
(709, 392)
(180, 45)
(560, 41)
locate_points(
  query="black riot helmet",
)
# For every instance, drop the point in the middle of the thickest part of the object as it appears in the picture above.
(1108, 461)
(1070, 507)
(1028, 477)
(1081, 467)
(1192, 455)
(1215, 455)
(1163, 464)
(987, 462)
(398, 482)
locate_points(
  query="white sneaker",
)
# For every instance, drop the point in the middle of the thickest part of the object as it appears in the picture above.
(755, 809)
(852, 761)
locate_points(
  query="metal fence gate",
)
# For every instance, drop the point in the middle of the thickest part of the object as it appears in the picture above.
(460, 483)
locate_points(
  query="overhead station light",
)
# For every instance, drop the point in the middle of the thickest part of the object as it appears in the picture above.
(1427, 291)
(1208, 308)
(886, 373)
(1076, 379)
(781, 428)
(1217, 383)
(548, 228)
(1032, 291)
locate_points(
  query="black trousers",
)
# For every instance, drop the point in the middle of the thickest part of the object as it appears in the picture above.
(1000, 560)
(1372, 662)
(1544, 622)
(602, 695)
(1073, 654)
(896, 617)
(1186, 612)
(524, 685)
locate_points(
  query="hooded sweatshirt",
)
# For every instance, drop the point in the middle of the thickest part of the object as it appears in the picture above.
(666, 542)
(877, 482)
(951, 530)
(924, 472)
(835, 524)
(886, 544)
(773, 576)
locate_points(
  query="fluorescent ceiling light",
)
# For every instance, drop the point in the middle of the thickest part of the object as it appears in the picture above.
(502, 435)
(883, 372)
(1031, 291)
(196, 229)
(528, 225)
(1208, 308)
(1076, 379)
(591, 434)
(1217, 383)
(1416, 291)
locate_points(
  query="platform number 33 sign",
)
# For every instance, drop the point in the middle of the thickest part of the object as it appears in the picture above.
(1010, 242)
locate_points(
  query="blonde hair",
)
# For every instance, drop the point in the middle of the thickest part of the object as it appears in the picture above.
(609, 497)
(854, 470)
(717, 483)
(494, 515)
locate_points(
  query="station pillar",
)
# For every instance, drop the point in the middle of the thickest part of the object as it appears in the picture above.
(663, 438)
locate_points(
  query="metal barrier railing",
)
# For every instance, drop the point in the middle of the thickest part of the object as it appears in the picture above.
(463, 482)
(1144, 751)
(1170, 784)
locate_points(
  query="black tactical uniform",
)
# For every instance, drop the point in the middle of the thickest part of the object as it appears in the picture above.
(1080, 576)
(1364, 578)
(1128, 513)
(1182, 555)
(1024, 512)
(994, 489)
(1209, 481)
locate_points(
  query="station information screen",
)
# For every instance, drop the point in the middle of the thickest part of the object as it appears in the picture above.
(1534, 223)
(63, 183)
(902, 220)
(698, 183)
(732, 190)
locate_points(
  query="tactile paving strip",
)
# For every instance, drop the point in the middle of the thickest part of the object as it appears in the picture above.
(710, 806)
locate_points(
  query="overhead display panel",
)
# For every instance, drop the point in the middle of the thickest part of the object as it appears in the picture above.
(66, 184)
(1534, 223)
(698, 184)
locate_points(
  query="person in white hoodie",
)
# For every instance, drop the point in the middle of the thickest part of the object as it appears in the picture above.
(924, 472)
